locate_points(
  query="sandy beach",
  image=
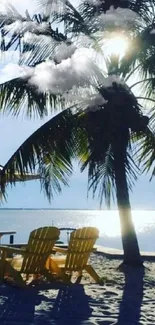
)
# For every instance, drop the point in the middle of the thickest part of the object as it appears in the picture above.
(122, 299)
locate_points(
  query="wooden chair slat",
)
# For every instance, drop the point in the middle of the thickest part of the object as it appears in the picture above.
(40, 245)
(80, 247)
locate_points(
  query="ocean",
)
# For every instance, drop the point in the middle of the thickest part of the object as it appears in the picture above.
(24, 221)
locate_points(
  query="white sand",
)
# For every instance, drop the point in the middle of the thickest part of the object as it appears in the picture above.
(123, 299)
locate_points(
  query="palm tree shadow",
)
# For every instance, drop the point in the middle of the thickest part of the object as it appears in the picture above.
(17, 304)
(71, 306)
(130, 306)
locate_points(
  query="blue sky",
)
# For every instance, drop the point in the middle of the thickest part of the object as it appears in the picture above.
(28, 195)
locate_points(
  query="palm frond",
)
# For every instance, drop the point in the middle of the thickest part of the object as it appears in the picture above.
(143, 8)
(101, 178)
(38, 48)
(33, 36)
(141, 52)
(95, 151)
(18, 95)
(145, 147)
(132, 170)
(49, 151)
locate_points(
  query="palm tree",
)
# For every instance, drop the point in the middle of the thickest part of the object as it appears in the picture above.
(101, 120)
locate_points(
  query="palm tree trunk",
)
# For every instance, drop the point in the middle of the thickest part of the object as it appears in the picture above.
(129, 238)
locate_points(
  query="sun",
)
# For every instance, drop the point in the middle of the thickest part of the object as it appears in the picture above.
(116, 45)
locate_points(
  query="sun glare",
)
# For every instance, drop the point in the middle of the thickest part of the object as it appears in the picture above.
(116, 45)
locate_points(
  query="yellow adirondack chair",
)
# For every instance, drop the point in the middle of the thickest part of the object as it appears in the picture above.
(77, 254)
(40, 245)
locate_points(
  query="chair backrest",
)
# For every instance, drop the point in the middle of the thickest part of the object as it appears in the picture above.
(38, 249)
(80, 246)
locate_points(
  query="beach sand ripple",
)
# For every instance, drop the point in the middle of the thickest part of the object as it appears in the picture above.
(124, 299)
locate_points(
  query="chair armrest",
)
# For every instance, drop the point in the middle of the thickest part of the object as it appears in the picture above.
(60, 250)
(65, 250)
(12, 249)
(7, 249)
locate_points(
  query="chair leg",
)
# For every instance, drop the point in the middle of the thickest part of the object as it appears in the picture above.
(2, 265)
(35, 277)
(27, 277)
(2, 270)
(48, 275)
(79, 277)
(14, 274)
(92, 273)
(54, 268)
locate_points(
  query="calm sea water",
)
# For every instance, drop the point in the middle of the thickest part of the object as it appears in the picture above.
(24, 221)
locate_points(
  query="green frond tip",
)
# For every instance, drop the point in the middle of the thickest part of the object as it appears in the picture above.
(49, 152)
(17, 95)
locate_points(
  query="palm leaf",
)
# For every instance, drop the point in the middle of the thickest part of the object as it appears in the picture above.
(17, 94)
(49, 150)
(38, 48)
(143, 8)
(145, 149)
(95, 151)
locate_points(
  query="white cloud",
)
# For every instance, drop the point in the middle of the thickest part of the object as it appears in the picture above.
(85, 99)
(96, 2)
(10, 71)
(24, 26)
(118, 17)
(37, 39)
(78, 70)
(48, 6)
(9, 56)
(64, 51)
(17, 7)
(95, 102)
(22, 5)
(108, 81)
(58, 50)
(9, 65)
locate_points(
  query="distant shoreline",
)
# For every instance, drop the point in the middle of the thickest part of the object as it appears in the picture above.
(72, 209)
(56, 209)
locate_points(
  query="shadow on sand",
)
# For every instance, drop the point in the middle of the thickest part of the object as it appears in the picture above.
(59, 305)
(17, 306)
(130, 306)
(70, 307)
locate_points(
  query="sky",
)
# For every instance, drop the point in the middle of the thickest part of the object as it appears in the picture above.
(28, 195)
